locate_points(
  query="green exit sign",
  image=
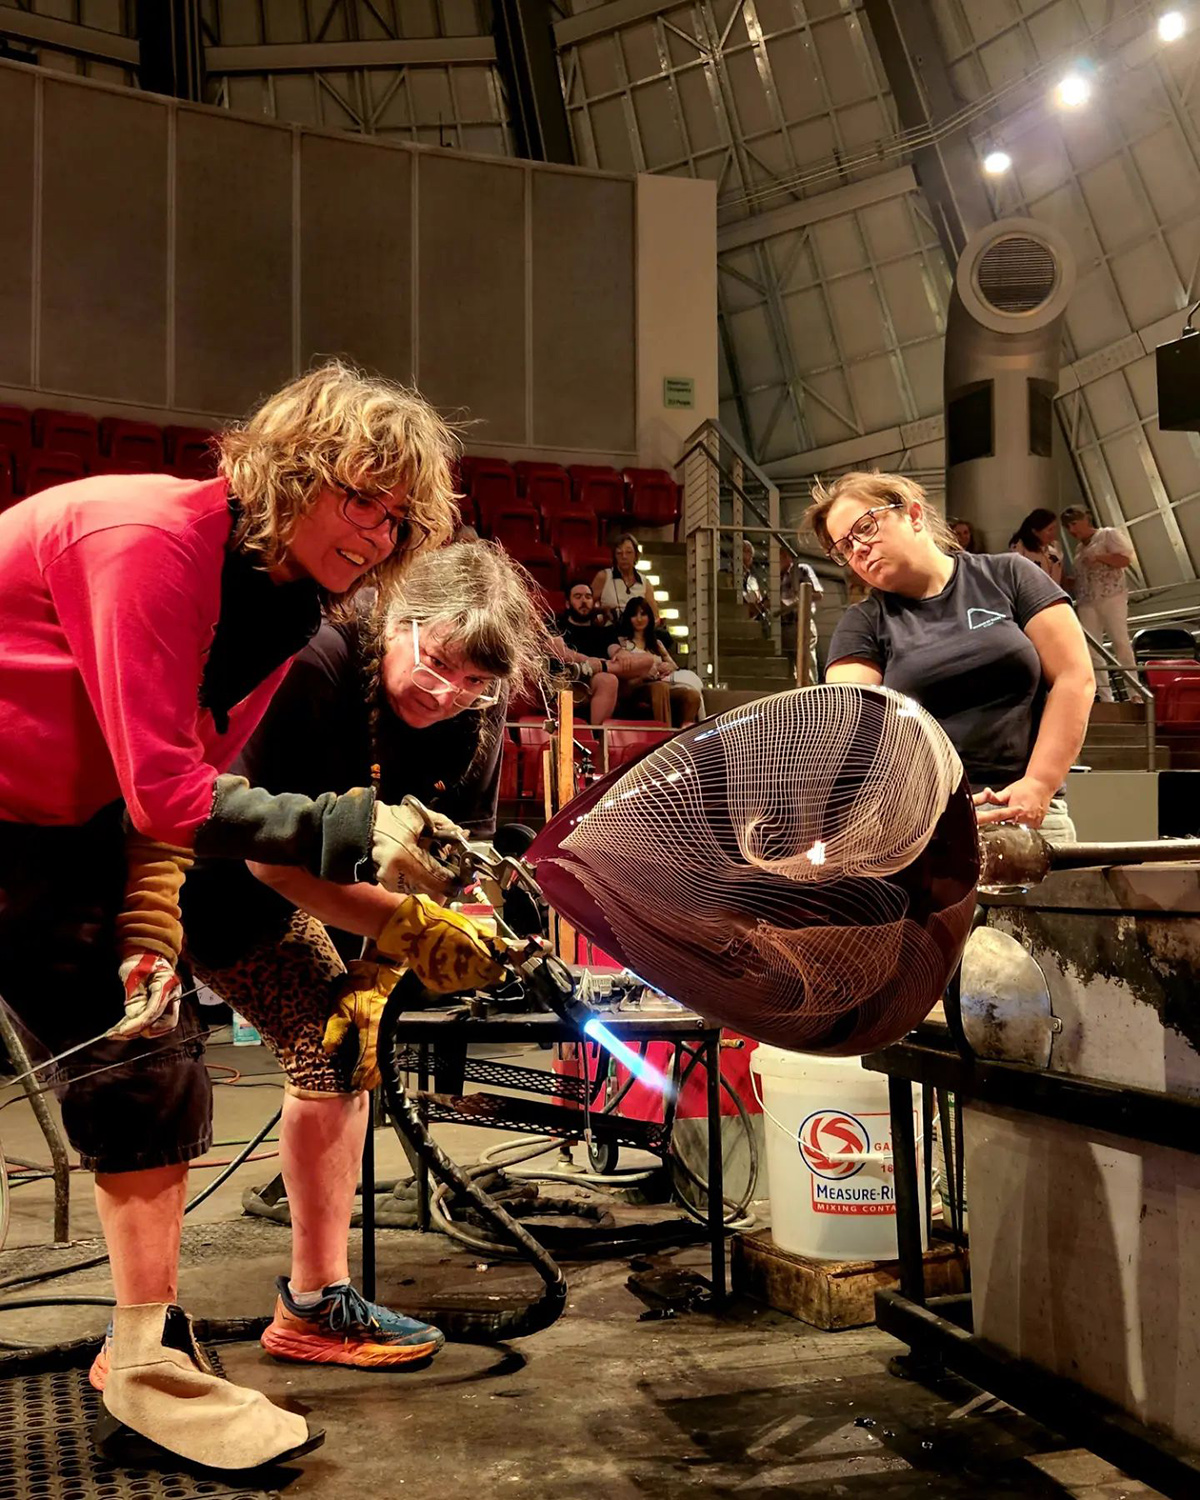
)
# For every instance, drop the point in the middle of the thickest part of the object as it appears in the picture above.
(679, 390)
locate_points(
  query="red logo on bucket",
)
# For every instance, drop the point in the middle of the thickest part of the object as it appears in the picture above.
(833, 1144)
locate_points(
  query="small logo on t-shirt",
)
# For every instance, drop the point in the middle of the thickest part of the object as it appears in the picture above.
(980, 619)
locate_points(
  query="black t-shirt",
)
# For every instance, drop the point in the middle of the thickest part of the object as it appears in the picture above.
(315, 737)
(965, 657)
(589, 639)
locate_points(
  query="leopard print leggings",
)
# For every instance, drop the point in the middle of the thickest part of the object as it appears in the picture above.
(283, 988)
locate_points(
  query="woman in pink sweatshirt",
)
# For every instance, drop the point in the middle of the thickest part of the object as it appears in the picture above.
(147, 622)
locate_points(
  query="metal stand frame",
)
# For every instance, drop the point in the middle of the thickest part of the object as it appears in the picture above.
(34, 1091)
(939, 1330)
(439, 1043)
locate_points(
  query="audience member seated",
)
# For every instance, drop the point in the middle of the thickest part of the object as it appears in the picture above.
(641, 641)
(964, 534)
(613, 588)
(583, 639)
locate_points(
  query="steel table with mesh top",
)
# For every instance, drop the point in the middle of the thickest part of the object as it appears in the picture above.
(435, 1046)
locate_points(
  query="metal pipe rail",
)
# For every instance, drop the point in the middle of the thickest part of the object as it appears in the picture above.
(714, 534)
(1134, 676)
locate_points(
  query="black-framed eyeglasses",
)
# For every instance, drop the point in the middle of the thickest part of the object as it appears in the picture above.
(368, 513)
(866, 527)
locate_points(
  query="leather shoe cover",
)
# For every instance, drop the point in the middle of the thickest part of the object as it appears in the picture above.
(161, 1386)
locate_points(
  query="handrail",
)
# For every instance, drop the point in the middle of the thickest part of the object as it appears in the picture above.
(715, 531)
(1133, 675)
(1184, 612)
(741, 493)
(711, 424)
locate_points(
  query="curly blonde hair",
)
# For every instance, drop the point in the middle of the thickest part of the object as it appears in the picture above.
(339, 427)
(874, 488)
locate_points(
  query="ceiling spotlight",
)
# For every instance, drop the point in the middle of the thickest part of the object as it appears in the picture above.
(1171, 26)
(1073, 90)
(996, 162)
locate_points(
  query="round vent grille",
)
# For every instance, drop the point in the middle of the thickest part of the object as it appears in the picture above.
(1016, 274)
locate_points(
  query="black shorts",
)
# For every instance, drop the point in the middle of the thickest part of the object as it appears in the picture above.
(126, 1106)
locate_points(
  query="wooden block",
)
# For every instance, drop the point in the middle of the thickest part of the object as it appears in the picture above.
(832, 1294)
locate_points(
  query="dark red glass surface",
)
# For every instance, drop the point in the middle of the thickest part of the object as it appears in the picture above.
(831, 976)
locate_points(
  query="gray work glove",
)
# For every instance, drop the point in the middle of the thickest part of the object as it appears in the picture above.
(403, 843)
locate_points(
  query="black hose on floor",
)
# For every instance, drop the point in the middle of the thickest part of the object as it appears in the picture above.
(470, 1325)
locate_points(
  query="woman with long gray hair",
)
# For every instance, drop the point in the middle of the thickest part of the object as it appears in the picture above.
(408, 697)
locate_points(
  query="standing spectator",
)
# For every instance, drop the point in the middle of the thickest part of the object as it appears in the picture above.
(1102, 590)
(964, 534)
(640, 639)
(613, 588)
(1036, 538)
(585, 640)
(986, 644)
(789, 597)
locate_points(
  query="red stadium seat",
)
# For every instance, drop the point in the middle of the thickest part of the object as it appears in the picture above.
(516, 526)
(584, 562)
(16, 434)
(132, 442)
(545, 486)
(491, 483)
(532, 739)
(553, 601)
(49, 469)
(66, 432)
(542, 562)
(599, 489)
(627, 740)
(1178, 702)
(190, 451)
(572, 529)
(1159, 673)
(118, 466)
(653, 497)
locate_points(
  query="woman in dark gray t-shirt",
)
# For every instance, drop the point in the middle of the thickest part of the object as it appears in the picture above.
(982, 642)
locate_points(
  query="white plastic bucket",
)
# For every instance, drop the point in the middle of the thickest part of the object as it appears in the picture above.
(829, 1152)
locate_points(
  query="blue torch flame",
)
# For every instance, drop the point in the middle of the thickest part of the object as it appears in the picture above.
(645, 1071)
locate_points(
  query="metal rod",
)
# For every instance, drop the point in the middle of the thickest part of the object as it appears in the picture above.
(1137, 679)
(908, 1202)
(423, 1114)
(946, 1136)
(41, 1113)
(927, 1154)
(716, 1169)
(1118, 1109)
(368, 1207)
(804, 634)
(1145, 852)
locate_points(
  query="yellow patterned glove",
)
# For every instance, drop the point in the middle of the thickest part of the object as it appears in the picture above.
(444, 949)
(361, 995)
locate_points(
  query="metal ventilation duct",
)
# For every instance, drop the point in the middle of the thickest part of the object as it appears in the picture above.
(1003, 340)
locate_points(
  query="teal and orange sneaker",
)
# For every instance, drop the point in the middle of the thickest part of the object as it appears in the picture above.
(345, 1329)
(98, 1373)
